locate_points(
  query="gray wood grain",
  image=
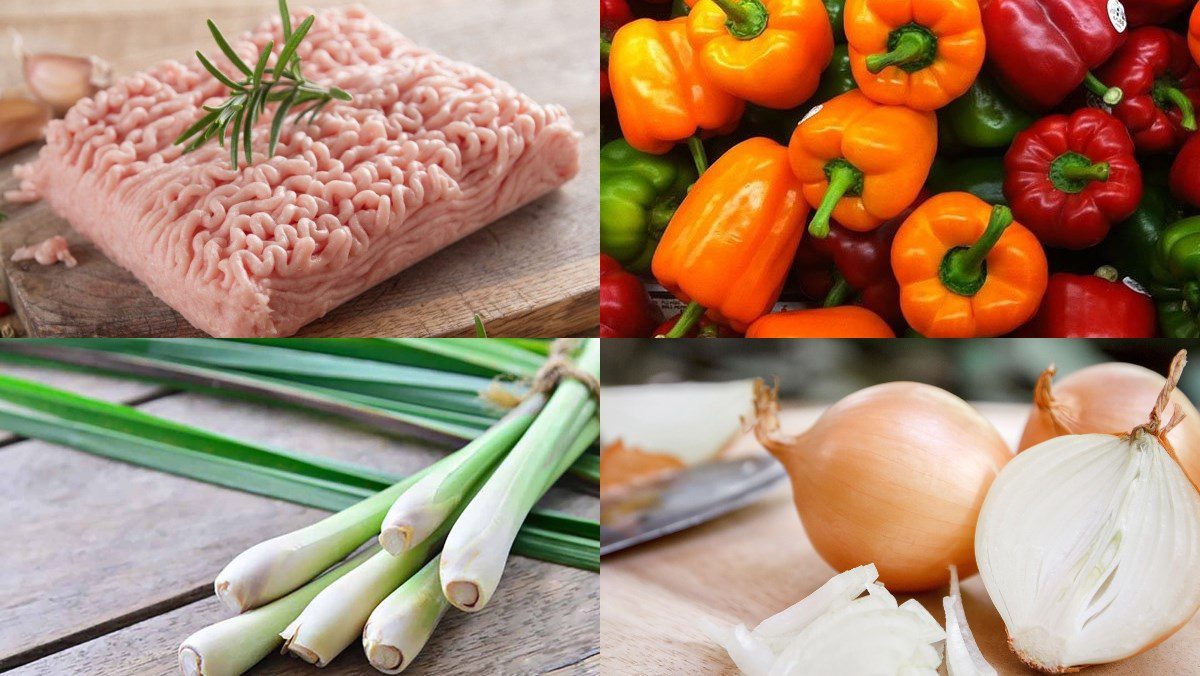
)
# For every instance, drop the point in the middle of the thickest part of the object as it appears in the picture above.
(533, 273)
(107, 547)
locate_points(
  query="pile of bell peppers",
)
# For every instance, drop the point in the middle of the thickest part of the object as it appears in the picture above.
(868, 168)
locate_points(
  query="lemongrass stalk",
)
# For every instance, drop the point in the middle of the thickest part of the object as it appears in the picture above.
(418, 511)
(336, 616)
(479, 543)
(275, 567)
(402, 624)
(233, 646)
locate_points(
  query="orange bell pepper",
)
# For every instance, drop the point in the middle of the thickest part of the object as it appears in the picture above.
(917, 53)
(769, 52)
(966, 269)
(728, 248)
(845, 321)
(1194, 34)
(661, 93)
(862, 162)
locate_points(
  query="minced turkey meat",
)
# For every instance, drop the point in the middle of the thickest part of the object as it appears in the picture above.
(428, 151)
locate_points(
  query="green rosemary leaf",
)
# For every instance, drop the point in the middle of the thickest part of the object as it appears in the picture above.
(200, 126)
(286, 17)
(229, 53)
(261, 66)
(248, 126)
(235, 138)
(293, 43)
(280, 116)
(216, 72)
(340, 94)
(312, 117)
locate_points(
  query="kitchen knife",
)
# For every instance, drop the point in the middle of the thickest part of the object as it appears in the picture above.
(687, 499)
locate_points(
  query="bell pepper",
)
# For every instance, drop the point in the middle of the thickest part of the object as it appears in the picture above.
(918, 53)
(852, 267)
(705, 328)
(729, 246)
(982, 176)
(1131, 245)
(847, 321)
(857, 165)
(1146, 12)
(1161, 85)
(1100, 305)
(626, 310)
(1194, 34)
(1185, 172)
(769, 52)
(613, 15)
(662, 95)
(779, 124)
(984, 117)
(966, 269)
(639, 194)
(1070, 178)
(1176, 270)
(1042, 50)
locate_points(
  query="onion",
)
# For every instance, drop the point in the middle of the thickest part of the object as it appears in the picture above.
(963, 657)
(1088, 544)
(1109, 398)
(895, 475)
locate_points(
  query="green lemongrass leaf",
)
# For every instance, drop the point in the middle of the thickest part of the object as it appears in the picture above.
(293, 43)
(229, 53)
(535, 345)
(217, 72)
(261, 66)
(480, 331)
(466, 356)
(587, 467)
(497, 358)
(567, 524)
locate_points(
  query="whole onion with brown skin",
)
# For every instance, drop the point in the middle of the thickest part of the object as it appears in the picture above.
(894, 475)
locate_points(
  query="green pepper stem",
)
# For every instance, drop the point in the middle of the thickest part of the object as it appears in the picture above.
(691, 314)
(838, 293)
(1183, 103)
(1086, 172)
(1111, 95)
(842, 176)
(962, 269)
(745, 19)
(1107, 273)
(910, 47)
(699, 156)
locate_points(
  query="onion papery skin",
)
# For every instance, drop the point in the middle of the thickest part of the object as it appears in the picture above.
(1110, 398)
(894, 475)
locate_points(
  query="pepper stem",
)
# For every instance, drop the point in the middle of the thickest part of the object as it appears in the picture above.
(1107, 273)
(1182, 102)
(1085, 172)
(605, 48)
(843, 177)
(838, 292)
(963, 269)
(1111, 95)
(699, 155)
(691, 314)
(745, 19)
(908, 47)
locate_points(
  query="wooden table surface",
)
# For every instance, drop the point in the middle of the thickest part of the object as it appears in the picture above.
(107, 567)
(533, 273)
(755, 562)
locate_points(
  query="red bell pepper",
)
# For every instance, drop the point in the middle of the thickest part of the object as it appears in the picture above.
(854, 267)
(705, 328)
(1042, 50)
(613, 15)
(1161, 85)
(1070, 178)
(626, 310)
(1092, 306)
(1146, 12)
(1185, 172)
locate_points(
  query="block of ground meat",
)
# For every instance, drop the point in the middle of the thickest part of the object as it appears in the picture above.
(428, 151)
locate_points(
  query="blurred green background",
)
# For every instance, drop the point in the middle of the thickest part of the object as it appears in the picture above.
(993, 369)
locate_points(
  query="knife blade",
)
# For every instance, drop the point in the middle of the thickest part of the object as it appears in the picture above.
(687, 499)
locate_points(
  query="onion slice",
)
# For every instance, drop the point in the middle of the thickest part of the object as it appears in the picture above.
(963, 657)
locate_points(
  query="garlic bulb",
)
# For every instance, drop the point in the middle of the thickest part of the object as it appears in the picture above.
(835, 630)
(61, 80)
(1087, 545)
(22, 121)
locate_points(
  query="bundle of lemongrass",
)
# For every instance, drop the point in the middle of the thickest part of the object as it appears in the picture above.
(444, 536)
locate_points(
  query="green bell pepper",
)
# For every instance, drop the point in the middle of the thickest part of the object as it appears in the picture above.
(1131, 245)
(779, 124)
(982, 176)
(1176, 270)
(639, 194)
(835, 10)
(985, 117)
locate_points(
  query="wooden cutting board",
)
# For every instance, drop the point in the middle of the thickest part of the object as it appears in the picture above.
(533, 273)
(754, 563)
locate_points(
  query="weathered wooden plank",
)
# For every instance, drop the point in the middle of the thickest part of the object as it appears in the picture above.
(532, 273)
(106, 545)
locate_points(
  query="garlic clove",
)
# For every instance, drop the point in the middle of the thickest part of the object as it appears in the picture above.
(60, 80)
(22, 121)
(1087, 545)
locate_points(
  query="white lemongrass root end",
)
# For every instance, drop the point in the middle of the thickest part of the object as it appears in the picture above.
(385, 658)
(396, 540)
(463, 595)
(190, 663)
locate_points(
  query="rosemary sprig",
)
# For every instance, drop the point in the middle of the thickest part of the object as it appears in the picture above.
(258, 86)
